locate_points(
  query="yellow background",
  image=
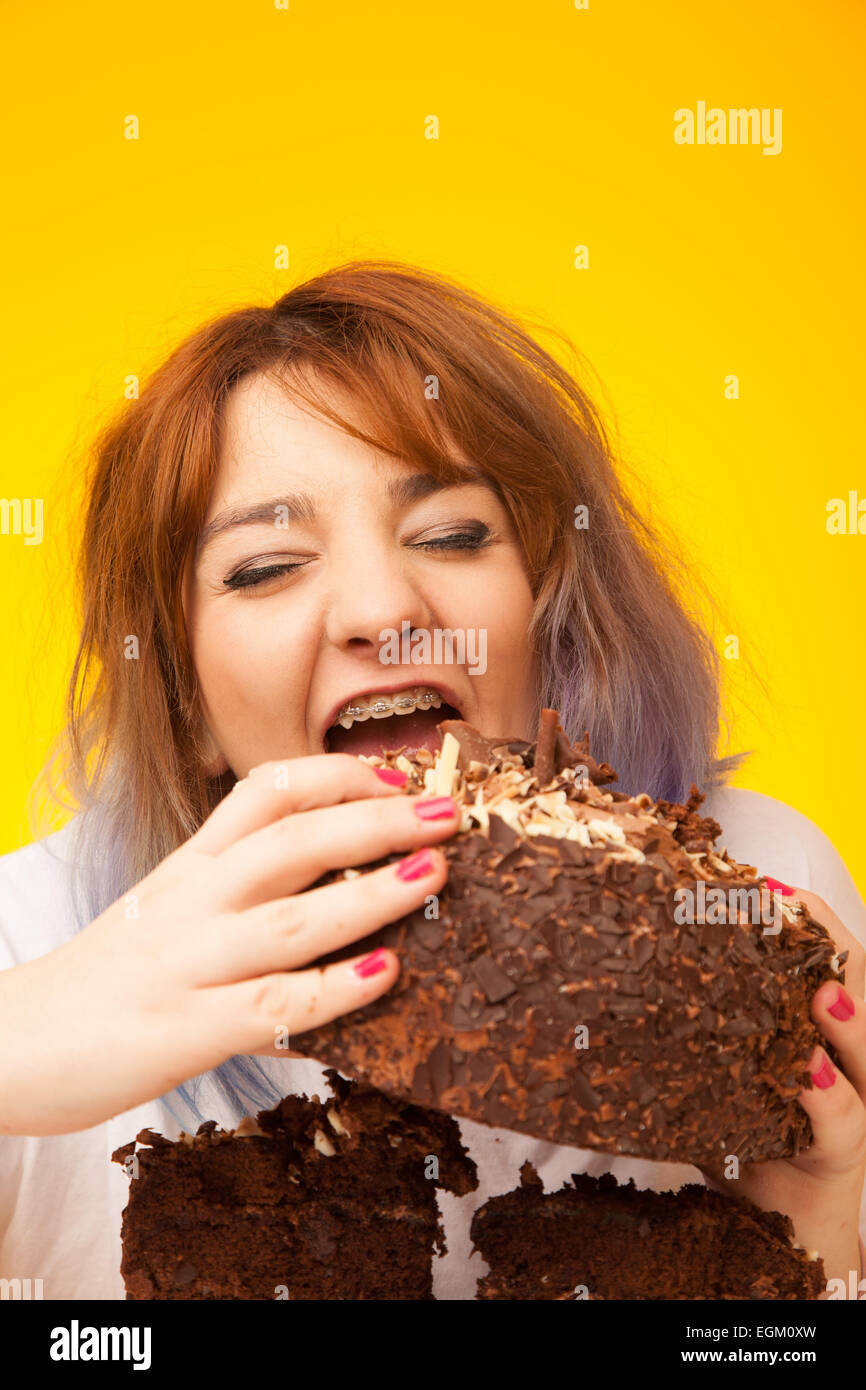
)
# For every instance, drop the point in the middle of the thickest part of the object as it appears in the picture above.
(261, 126)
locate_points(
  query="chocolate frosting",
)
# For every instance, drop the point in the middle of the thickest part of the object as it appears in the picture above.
(555, 994)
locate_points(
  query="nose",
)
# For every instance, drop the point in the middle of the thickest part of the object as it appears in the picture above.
(370, 595)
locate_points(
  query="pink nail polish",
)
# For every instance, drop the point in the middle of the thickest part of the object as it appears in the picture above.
(781, 888)
(436, 808)
(416, 866)
(371, 965)
(391, 775)
(824, 1077)
(843, 1009)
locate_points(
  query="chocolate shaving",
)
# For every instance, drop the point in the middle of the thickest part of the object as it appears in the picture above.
(600, 774)
(544, 765)
(474, 747)
(492, 979)
(563, 753)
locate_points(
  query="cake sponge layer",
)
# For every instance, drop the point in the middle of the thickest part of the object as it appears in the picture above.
(596, 1240)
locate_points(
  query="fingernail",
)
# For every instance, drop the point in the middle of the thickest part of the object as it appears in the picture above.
(416, 866)
(371, 965)
(436, 808)
(843, 1008)
(824, 1077)
(778, 887)
(392, 775)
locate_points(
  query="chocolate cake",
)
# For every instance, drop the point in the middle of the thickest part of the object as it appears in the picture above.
(331, 1199)
(557, 986)
(594, 1239)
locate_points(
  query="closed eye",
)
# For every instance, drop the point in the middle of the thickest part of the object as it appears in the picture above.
(471, 540)
(248, 579)
(458, 540)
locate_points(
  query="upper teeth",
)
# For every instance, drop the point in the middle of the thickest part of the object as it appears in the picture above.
(381, 706)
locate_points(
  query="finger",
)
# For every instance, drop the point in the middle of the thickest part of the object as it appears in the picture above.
(855, 965)
(291, 853)
(714, 1174)
(287, 933)
(299, 784)
(276, 1008)
(841, 1017)
(838, 1120)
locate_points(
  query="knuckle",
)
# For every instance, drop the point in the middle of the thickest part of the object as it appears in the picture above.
(307, 838)
(294, 834)
(270, 999)
(283, 918)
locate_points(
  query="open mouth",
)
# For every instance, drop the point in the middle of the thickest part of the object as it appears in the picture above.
(375, 723)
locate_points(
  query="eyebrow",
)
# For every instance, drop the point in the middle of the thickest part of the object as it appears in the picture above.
(300, 506)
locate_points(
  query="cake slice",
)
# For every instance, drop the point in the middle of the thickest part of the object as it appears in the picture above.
(594, 1239)
(314, 1199)
(557, 986)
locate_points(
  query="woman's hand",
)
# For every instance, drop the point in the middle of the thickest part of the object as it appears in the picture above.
(206, 957)
(821, 1189)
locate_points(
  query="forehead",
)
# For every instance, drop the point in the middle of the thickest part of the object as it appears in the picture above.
(276, 452)
(267, 427)
(263, 421)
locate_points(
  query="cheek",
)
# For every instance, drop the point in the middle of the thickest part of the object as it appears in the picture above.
(503, 605)
(499, 604)
(231, 645)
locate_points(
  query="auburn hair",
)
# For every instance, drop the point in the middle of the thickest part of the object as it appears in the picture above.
(433, 368)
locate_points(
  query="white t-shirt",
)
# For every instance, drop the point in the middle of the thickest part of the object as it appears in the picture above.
(61, 1197)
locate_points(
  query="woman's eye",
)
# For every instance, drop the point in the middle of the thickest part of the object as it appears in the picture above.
(249, 579)
(467, 539)
(458, 540)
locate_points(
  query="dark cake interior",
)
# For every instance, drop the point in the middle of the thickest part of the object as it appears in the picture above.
(552, 989)
(594, 1239)
(331, 1199)
(336, 1200)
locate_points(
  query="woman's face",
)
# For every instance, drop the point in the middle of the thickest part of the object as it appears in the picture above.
(374, 585)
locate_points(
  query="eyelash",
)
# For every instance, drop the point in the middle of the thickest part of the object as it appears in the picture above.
(458, 540)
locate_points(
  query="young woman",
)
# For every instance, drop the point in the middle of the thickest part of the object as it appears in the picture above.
(378, 448)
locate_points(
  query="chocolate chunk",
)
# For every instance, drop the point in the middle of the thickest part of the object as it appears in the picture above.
(641, 949)
(584, 1092)
(492, 979)
(429, 933)
(501, 835)
(474, 747)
